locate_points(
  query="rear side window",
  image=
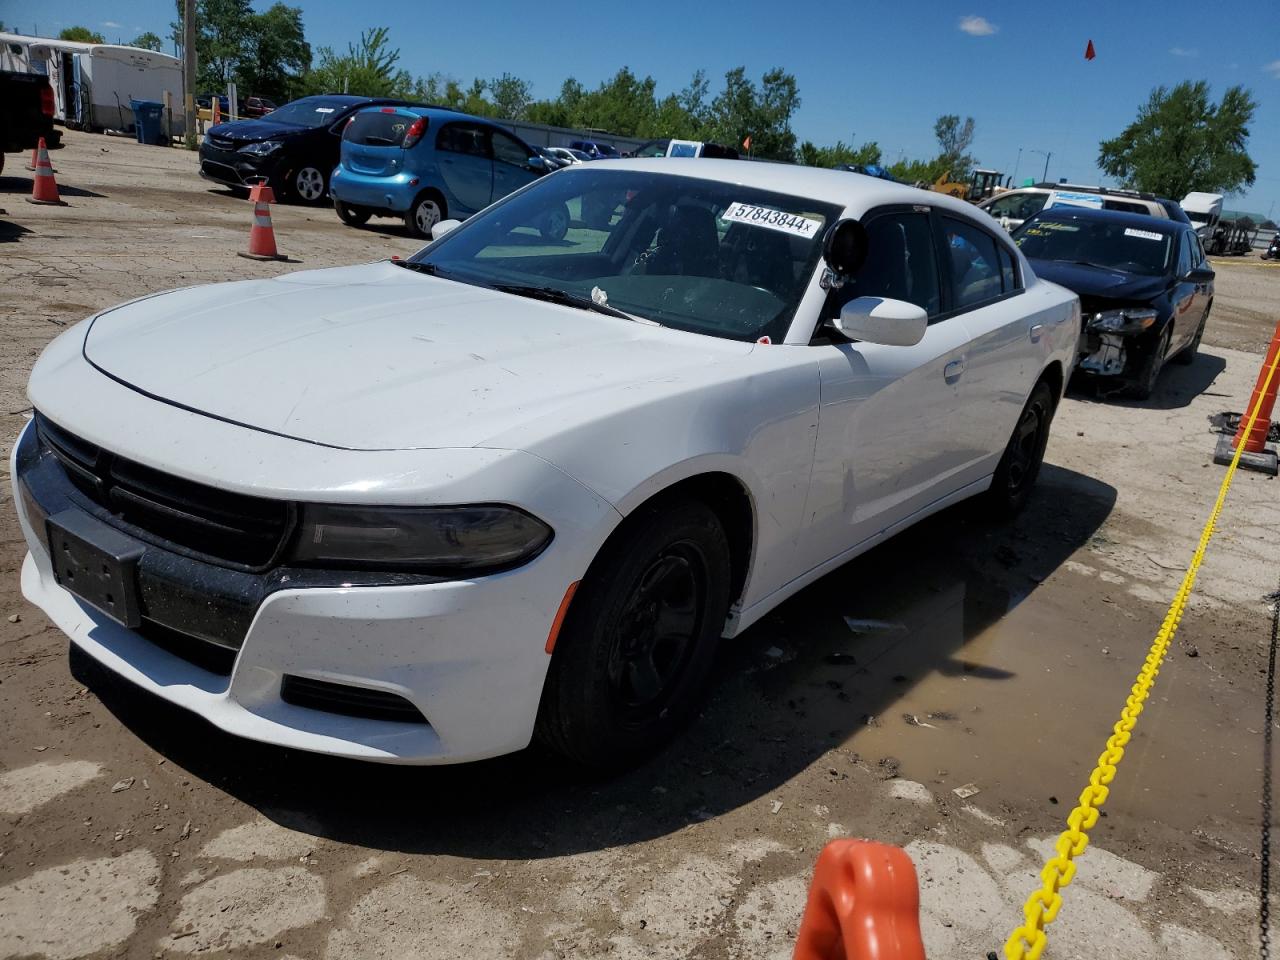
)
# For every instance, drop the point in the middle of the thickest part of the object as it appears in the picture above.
(1008, 273)
(462, 138)
(377, 129)
(974, 262)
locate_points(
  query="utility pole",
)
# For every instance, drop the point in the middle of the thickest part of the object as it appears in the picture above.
(1016, 165)
(1045, 179)
(189, 71)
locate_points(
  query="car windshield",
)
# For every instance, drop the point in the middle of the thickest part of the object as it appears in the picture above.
(308, 112)
(1108, 244)
(698, 255)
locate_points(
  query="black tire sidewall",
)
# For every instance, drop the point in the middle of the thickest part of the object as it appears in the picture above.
(578, 715)
(349, 215)
(1002, 501)
(1149, 376)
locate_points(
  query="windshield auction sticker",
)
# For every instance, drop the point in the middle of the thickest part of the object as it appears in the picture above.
(792, 223)
(1143, 234)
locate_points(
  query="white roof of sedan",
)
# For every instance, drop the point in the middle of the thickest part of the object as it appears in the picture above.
(853, 190)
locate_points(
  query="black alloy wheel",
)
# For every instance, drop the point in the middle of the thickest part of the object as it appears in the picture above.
(639, 639)
(1020, 465)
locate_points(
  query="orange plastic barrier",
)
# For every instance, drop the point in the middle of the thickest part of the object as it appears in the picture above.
(1264, 398)
(864, 904)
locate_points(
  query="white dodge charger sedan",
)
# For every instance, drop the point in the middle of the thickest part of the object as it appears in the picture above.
(424, 510)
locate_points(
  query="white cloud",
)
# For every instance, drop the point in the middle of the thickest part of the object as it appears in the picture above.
(1184, 52)
(1273, 68)
(111, 23)
(976, 26)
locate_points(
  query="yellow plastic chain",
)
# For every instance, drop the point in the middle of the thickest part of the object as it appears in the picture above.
(1028, 941)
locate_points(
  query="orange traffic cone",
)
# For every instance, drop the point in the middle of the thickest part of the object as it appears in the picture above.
(262, 238)
(44, 188)
(864, 904)
(1256, 455)
(31, 165)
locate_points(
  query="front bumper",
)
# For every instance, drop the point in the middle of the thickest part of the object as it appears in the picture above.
(391, 193)
(467, 654)
(233, 168)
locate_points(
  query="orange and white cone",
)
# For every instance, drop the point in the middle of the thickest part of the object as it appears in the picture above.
(44, 187)
(262, 238)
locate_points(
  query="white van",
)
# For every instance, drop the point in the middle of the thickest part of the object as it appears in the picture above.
(1012, 207)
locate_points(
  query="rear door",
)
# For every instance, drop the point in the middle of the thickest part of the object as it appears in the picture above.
(1007, 343)
(466, 166)
(372, 141)
(511, 169)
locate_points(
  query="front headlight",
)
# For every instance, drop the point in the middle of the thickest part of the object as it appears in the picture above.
(1128, 320)
(423, 539)
(262, 148)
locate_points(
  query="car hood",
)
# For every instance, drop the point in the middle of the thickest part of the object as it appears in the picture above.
(1099, 283)
(253, 131)
(376, 357)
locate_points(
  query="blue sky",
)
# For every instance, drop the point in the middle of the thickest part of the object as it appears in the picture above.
(878, 71)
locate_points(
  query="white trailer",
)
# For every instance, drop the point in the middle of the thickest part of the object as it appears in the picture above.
(1204, 210)
(93, 82)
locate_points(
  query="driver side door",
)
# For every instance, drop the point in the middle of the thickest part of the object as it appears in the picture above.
(887, 443)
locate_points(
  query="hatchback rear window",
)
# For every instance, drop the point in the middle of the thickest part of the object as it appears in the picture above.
(378, 129)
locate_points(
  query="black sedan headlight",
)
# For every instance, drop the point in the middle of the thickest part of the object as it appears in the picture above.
(1127, 320)
(421, 539)
(262, 148)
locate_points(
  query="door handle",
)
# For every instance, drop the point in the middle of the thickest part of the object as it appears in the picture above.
(951, 372)
(1036, 331)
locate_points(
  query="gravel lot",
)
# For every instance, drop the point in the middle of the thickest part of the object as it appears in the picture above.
(959, 654)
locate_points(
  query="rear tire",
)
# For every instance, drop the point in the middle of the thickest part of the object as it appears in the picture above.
(308, 184)
(639, 639)
(351, 216)
(1020, 466)
(427, 210)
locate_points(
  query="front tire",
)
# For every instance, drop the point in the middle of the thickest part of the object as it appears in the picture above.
(1020, 466)
(639, 639)
(308, 184)
(1145, 384)
(351, 216)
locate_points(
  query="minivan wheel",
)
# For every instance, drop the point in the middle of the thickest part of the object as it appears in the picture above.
(308, 184)
(1020, 466)
(639, 639)
(351, 216)
(425, 213)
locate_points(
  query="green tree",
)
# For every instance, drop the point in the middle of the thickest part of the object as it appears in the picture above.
(368, 69)
(954, 140)
(81, 35)
(276, 54)
(511, 97)
(764, 114)
(839, 155)
(1182, 142)
(147, 41)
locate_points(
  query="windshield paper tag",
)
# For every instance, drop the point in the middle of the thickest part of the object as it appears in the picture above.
(325, 109)
(1144, 234)
(791, 223)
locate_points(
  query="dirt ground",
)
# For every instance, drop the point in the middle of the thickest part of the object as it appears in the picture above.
(960, 656)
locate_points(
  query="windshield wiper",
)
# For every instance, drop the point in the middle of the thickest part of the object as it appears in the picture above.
(564, 298)
(1096, 266)
(420, 266)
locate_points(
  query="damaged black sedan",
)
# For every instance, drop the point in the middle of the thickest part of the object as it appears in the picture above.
(1144, 284)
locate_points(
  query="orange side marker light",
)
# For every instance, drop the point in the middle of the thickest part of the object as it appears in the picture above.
(558, 622)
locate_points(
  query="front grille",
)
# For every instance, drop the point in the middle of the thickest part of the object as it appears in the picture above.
(213, 524)
(348, 700)
(221, 171)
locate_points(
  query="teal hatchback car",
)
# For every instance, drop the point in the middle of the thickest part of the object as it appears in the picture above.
(427, 164)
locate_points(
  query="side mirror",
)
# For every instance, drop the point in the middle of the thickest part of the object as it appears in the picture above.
(443, 227)
(1201, 275)
(894, 323)
(845, 247)
(539, 163)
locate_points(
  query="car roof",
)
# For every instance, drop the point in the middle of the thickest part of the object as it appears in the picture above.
(856, 191)
(1121, 217)
(429, 110)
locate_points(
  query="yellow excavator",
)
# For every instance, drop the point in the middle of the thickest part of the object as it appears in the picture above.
(983, 184)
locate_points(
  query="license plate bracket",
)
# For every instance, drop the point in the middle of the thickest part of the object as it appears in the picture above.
(97, 563)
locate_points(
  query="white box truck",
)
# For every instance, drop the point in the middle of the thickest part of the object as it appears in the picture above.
(1204, 210)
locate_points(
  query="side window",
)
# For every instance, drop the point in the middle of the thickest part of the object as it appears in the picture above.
(508, 149)
(1004, 207)
(974, 263)
(1008, 272)
(901, 263)
(462, 138)
(1185, 259)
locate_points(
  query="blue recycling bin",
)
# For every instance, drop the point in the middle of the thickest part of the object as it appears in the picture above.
(148, 121)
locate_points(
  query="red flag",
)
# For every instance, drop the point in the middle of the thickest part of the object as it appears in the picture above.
(746, 144)
(1088, 51)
